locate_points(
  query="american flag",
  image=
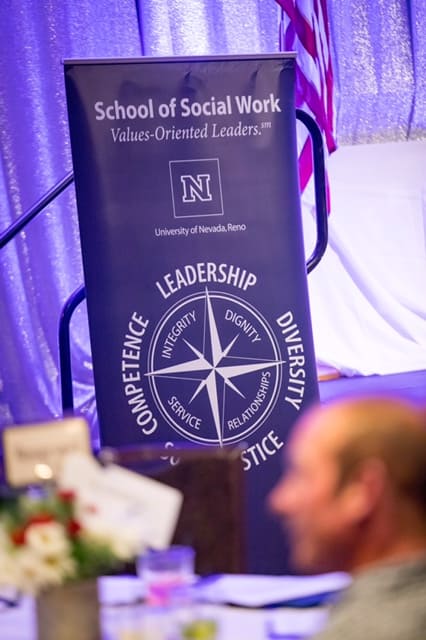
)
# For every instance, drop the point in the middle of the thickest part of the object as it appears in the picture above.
(304, 28)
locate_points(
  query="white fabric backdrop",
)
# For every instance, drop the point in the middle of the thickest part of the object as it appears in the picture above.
(368, 294)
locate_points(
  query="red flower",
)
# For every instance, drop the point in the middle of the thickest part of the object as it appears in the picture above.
(66, 495)
(74, 527)
(39, 518)
(18, 536)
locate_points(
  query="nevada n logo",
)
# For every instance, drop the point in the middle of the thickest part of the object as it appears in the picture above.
(196, 188)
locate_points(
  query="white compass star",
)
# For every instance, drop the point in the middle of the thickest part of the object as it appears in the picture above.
(201, 364)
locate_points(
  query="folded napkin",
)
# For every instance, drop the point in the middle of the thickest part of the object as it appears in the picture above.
(271, 591)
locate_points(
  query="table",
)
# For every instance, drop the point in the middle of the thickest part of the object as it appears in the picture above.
(125, 617)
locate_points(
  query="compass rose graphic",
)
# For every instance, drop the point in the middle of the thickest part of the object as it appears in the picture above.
(214, 368)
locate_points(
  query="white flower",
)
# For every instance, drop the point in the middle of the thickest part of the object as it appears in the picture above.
(47, 539)
(36, 572)
(45, 559)
(8, 569)
(8, 574)
(37, 552)
(4, 538)
(124, 543)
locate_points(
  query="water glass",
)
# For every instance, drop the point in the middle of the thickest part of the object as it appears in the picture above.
(167, 574)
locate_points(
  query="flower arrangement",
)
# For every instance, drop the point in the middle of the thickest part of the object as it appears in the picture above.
(48, 538)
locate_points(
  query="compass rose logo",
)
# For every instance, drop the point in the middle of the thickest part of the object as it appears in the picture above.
(214, 368)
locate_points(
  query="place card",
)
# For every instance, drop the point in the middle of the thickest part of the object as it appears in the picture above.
(115, 499)
(34, 453)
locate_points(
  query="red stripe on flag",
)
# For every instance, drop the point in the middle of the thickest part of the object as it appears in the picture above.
(301, 26)
(304, 29)
(306, 92)
(306, 166)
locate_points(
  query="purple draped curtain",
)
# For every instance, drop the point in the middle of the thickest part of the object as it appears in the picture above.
(42, 266)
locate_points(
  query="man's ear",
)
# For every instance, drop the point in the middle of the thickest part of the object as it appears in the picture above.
(365, 490)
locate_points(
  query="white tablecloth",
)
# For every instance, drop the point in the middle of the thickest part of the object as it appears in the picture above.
(125, 617)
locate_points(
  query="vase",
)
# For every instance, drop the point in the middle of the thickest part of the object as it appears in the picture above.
(69, 612)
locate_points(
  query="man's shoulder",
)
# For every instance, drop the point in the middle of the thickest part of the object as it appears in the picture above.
(384, 623)
(388, 605)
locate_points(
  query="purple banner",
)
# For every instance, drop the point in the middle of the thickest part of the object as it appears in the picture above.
(189, 212)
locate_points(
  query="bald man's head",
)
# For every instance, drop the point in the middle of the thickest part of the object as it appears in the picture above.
(386, 429)
(349, 464)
